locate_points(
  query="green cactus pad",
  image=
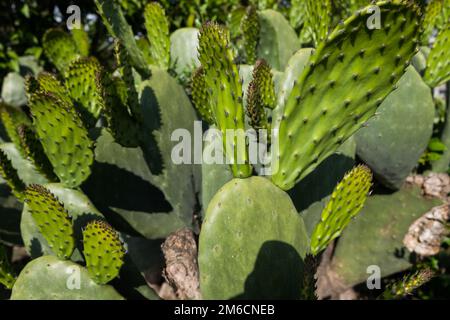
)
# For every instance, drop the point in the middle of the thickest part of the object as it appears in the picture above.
(6, 277)
(376, 236)
(34, 151)
(103, 250)
(262, 75)
(252, 243)
(394, 140)
(347, 78)
(11, 119)
(223, 77)
(64, 280)
(114, 20)
(318, 19)
(438, 63)
(47, 83)
(157, 27)
(9, 174)
(59, 48)
(53, 220)
(63, 137)
(345, 203)
(277, 40)
(84, 78)
(250, 32)
(81, 39)
(80, 209)
(201, 98)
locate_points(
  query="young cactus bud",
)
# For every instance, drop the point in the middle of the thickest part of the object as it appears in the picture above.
(157, 27)
(9, 174)
(255, 110)
(34, 151)
(84, 79)
(52, 219)
(408, 284)
(63, 136)
(103, 250)
(345, 203)
(250, 31)
(200, 95)
(59, 48)
(262, 76)
(318, 19)
(6, 276)
(81, 39)
(222, 77)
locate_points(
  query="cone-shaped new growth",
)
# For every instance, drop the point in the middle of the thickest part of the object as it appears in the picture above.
(11, 119)
(59, 48)
(346, 201)
(222, 77)
(250, 31)
(84, 78)
(81, 39)
(6, 277)
(407, 285)
(257, 117)
(200, 95)
(64, 138)
(263, 78)
(9, 174)
(34, 151)
(53, 220)
(103, 250)
(438, 63)
(347, 78)
(318, 19)
(157, 27)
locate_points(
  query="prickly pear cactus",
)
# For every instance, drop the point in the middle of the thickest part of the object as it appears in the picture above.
(239, 258)
(52, 219)
(223, 77)
(394, 140)
(59, 48)
(11, 177)
(11, 119)
(158, 34)
(318, 19)
(63, 137)
(103, 251)
(438, 63)
(254, 108)
(345, 203)
(263, 79)
(64, 280)
(376, 236)
(201, 95)
(250, 32)
(84, 83)
(376, 59)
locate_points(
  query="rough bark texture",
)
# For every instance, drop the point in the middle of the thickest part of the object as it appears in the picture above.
(181, 271)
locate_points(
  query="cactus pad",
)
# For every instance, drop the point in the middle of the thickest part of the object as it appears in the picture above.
(252, 243)
(438, 63)
(318, 19)
(10, 175)
(157, 27)
(59, 48)
(84, 83)
(346, 201)
(222, 76)
(64, 280)
(255, 110)
(103, 250)
(12, 118)
(262, 76)
(347, 78)
(250, 33)
(201, 97)
(63, 137)
(53, 220)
